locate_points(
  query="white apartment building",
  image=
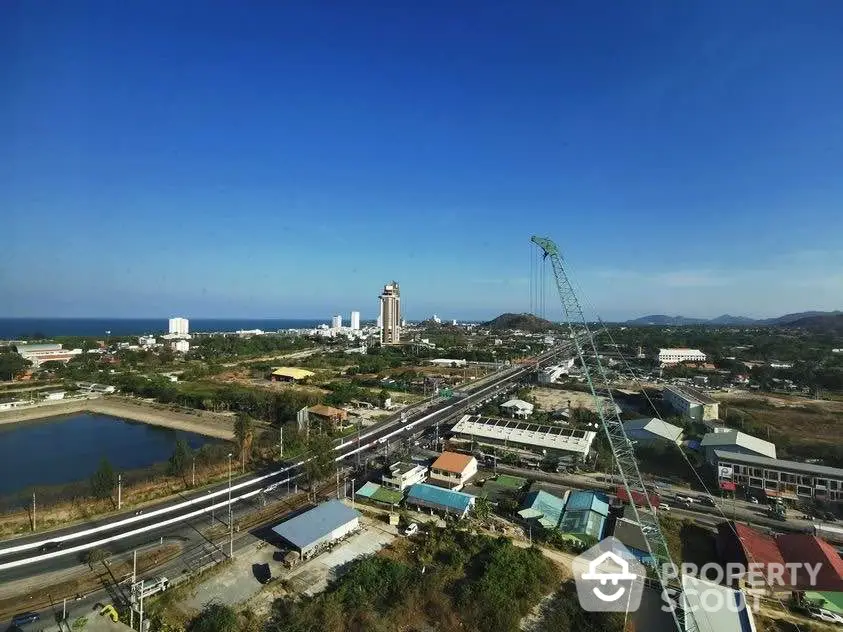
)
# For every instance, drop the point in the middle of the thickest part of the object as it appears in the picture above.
(355, 321)
(390, 314)
(180, 346)
(691, 403)
(179, 326)
(402, 474)
(675, 356)
(452, 470)
(146, 341)
(336, 322)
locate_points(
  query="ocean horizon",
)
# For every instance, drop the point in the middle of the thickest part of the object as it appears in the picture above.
(13, 328)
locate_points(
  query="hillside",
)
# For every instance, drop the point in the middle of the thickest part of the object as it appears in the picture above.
(522, 322)
(787, 320)
(826, 323)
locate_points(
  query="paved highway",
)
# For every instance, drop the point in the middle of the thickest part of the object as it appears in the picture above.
(62, 548)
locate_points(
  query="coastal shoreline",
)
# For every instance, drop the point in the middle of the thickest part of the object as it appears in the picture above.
(203, 423)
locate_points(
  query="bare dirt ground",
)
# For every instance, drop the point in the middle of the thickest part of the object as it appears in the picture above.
(553, 399)
(805, 420)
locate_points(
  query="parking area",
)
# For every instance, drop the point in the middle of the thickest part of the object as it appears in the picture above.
(245, 579)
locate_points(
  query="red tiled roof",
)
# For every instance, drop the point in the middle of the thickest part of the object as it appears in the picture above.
(758, 547)
(801, 547)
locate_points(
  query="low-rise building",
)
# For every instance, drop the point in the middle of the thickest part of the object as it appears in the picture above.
(632, 537)
(448, 362)
(52, 396)
(328, 416)
(585, 515)
(39, 353)
(777, 478)
(735, 441)
(515, 435)
(692, 404)
(517, 408)
(146, 341)
(543, 508)
(290, 374)
(313, 530)
(652, 431)
(452, 470)
(675, 356)
(715, 425)
(180, 346)
(402, 475)
(380, 494)
(437, 499)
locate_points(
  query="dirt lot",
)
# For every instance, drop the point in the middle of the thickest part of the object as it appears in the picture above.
(553, 399)
(803, 420)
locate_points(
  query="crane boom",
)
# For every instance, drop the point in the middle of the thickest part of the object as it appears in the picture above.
(621, 447)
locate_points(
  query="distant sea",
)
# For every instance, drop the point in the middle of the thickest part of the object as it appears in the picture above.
(12, 328)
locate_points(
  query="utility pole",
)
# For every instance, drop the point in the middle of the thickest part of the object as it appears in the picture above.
(132, 590)
(281, 441)
(33, 511)
(338, 482)
(193, 476)
(230, 514)
(119, 491)
(140, 622)
(64, 610)
(352, 492)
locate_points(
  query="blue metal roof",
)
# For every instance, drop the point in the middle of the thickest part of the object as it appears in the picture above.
(440, 496)
(540, 504)
(593, 501)
(314, 525)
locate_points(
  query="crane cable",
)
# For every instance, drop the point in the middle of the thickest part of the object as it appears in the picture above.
(684, 456)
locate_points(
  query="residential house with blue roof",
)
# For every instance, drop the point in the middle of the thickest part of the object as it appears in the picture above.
(543, 508)
(439, 499)
(585, 515)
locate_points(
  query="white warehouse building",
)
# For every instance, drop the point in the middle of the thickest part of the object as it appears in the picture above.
(675, 356)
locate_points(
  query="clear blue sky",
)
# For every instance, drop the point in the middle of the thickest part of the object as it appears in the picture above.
(253, 159)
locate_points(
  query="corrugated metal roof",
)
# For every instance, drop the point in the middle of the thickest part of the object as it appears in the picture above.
(292, 372)
(809, 549)
(313, 526)
(779, 464)
(739, 439)
(654, 426)
(440, 496)
(524, 433)
(758, 547)
(591, 501)
(540, 504)
(734, 616)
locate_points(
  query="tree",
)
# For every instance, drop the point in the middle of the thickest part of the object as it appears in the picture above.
(11, 364)
(482, 510)
(321, 461)
(104, 480)
(214, 617)
(180, 459)
(382, 397)
(244, 433)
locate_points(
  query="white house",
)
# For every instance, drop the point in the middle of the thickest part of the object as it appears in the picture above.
(518, 408)
(675, 356)
(452, 470)
(402, 474)
(54, 395)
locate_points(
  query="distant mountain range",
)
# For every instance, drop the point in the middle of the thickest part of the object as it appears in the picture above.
(806, 320)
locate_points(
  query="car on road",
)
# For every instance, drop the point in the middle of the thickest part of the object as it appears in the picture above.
(707, 500)
(24, 618)
(664, 507)
(753, 500)
(412, 529)
(50, 546)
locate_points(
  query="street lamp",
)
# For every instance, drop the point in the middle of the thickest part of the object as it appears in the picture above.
(230, 514)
